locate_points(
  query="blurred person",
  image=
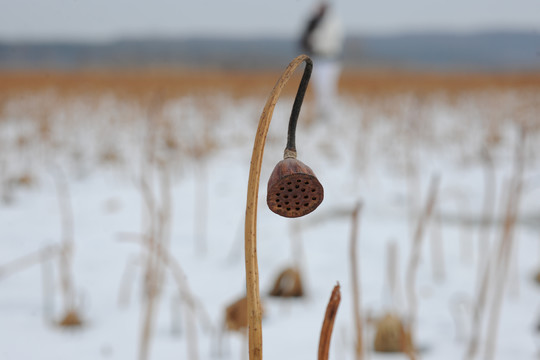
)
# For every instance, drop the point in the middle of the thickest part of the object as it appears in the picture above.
(322, 40)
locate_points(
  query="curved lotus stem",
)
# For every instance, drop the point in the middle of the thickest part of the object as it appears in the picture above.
(252, 272)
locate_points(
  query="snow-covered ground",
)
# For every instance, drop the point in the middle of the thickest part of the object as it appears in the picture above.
(382, 151)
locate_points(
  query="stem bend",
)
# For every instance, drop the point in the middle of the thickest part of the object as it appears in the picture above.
(250, 235)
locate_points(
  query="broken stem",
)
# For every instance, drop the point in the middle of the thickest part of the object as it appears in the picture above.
(328, 323)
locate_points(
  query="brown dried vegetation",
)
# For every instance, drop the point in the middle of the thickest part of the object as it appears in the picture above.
(173, 83)
(236, 315)
(288, 284)
(391, 335)
(71, 319)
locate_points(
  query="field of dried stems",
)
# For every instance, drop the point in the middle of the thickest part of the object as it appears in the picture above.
(123, 193)
(174, 83)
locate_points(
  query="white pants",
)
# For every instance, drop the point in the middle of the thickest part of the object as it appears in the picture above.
(325, 80)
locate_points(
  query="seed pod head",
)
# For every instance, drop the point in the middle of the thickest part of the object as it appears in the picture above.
(293, 189)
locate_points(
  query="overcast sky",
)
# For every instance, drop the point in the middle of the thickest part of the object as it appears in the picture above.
(112, 19)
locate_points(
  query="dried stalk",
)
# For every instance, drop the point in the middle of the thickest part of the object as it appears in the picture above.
(158, 214)
(328, 323)
(416, 249)
(359, 350)
(146, 332)
(506, 244)
(151, 206)
(250, 234)
(164, 216)
(158, 237)
(484, 279)
(482, 290)
(150, 279)
(178, 275)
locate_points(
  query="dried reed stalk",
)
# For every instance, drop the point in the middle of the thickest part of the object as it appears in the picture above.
(416, 250)
(158, 214)
(193, 305)
(482, 292)
(146, 330)
(250, 234)
(158, 236)
(328, 323)
(151, 210)
(506, 244)
(150, 278)
(359, 348)
(164, 215)
(484, 278)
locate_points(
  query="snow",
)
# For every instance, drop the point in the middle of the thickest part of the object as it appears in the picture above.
(382, 152)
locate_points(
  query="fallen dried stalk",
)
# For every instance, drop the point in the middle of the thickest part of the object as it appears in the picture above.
(328, 323)
(29, 260)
